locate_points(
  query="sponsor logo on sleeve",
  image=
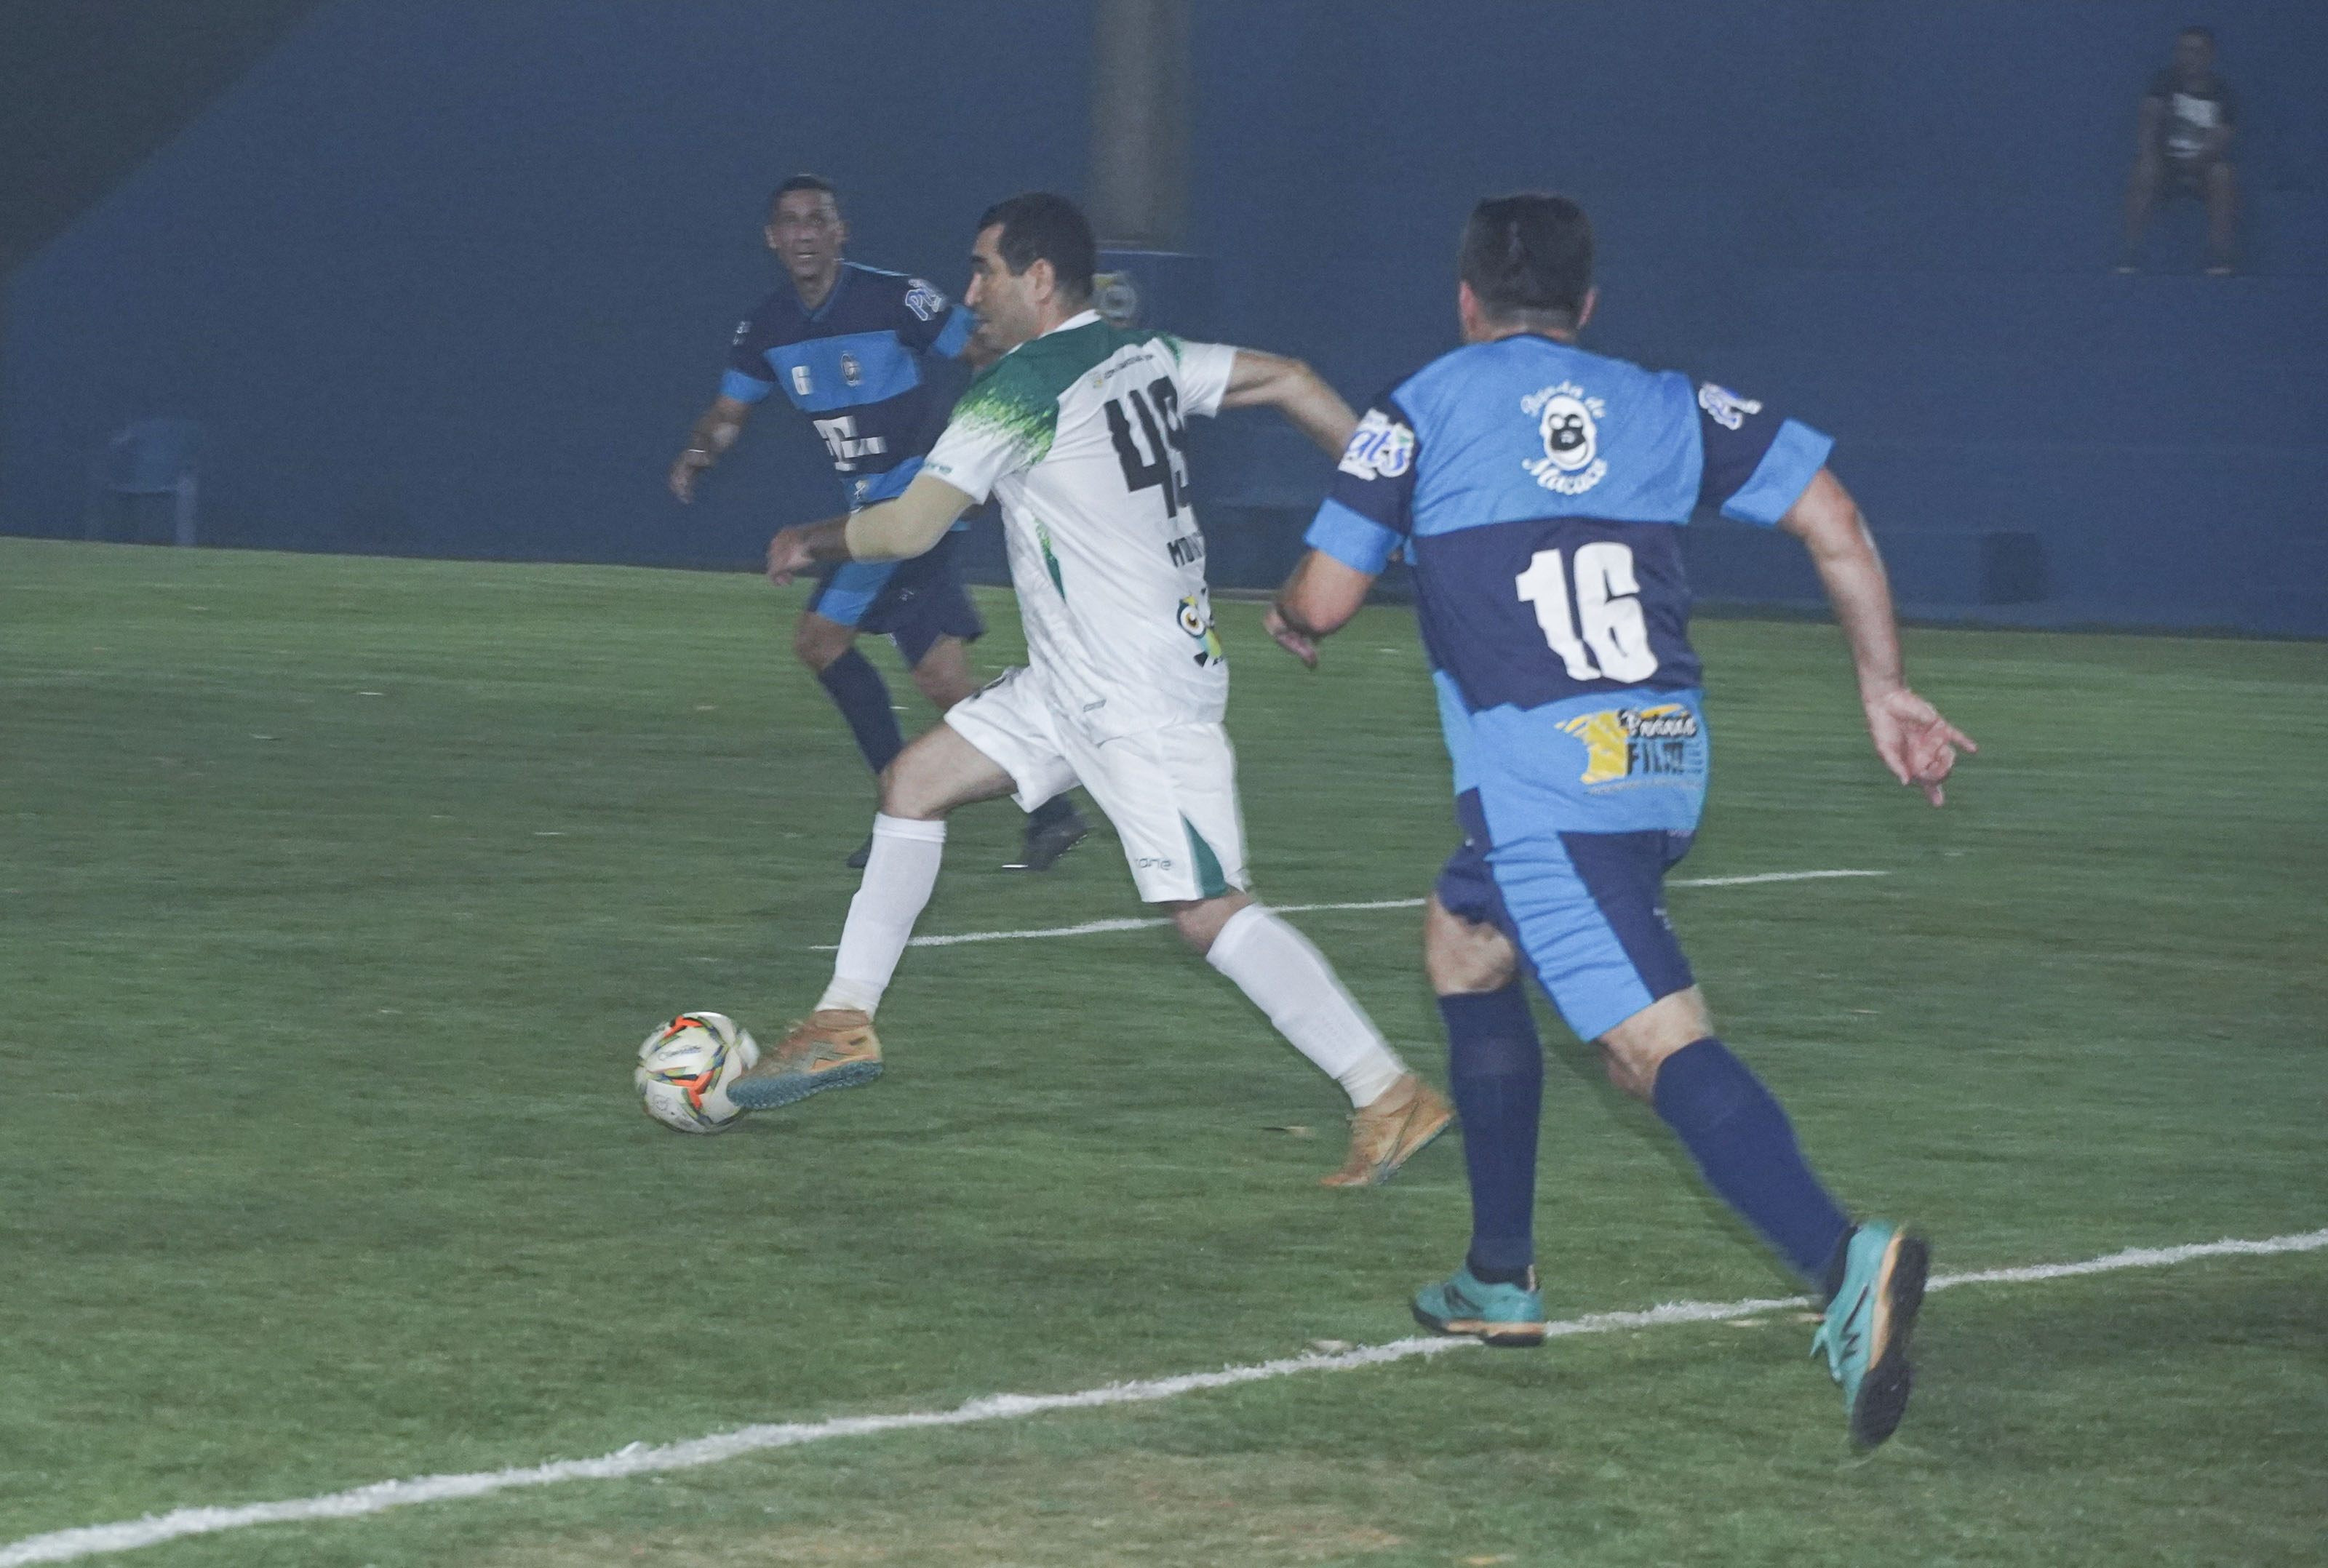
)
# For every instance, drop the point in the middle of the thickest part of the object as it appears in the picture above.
(1381, 447)
(922, 300)
(1723, 406)
(1569, 422)
(1637, 745)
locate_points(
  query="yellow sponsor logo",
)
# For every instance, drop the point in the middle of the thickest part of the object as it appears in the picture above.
(1627, 742)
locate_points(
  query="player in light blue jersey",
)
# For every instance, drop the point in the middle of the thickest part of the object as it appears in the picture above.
(1539, 491)
(849, 346)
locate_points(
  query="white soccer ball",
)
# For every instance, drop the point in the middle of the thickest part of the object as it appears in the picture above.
(685, 1067)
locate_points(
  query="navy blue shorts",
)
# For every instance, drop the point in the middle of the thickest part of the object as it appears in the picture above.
(912, 602)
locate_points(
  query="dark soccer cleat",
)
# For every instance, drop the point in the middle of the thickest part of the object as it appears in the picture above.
(1865, 1333)
(1049, 841)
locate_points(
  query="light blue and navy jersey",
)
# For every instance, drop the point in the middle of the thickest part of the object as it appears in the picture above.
(1539, 492)
(853, 365)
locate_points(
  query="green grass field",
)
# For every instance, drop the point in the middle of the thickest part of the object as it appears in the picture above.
(337, 893)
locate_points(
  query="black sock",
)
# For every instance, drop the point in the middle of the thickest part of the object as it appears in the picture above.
(1741, 1140)
(1495, 1066)
(1837, 1261)
(863, 698)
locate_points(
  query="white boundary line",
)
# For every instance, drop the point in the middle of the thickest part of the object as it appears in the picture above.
(1094, 928)
(638, 1459)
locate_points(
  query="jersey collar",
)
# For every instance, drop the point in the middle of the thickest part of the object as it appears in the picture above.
(824, 308)
(1071, 322)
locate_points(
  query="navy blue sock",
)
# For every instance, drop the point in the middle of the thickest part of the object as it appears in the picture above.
(1741, 1140)
(1495, 1066)
(863, 699)
(1058, 807)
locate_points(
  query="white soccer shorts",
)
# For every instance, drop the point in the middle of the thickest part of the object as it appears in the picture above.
(1171, 792)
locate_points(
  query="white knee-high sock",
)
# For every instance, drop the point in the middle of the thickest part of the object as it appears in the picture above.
(898, 876)
(1290, 980)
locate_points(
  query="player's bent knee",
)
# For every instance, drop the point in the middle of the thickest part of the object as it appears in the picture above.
(916, 785)
(1634, 1049)
(943, 675)
(1462, 958)
(938, 772)
(1199, 923)
(818, 641)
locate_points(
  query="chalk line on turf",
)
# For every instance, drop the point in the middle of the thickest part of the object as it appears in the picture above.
(638, 1459)
(1094, 928)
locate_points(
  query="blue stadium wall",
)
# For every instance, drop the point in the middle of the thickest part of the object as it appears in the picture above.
(447, 278)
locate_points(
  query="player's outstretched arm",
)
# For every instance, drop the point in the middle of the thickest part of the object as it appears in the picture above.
(1295, 390)
(1914, 740)
(713, 435)
(1317, 600)
(892, 530)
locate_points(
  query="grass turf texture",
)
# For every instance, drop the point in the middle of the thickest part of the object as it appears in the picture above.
(338, 893)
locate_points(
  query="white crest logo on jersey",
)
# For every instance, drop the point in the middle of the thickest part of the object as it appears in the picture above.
(1381, 447)
(851, 370)
(802, 385)
(922, 300)
(741, 328)
(1569, 422)
(1723, 406)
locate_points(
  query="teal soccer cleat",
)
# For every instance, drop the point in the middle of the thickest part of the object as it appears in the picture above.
(1865, 1334)
(1505, 1316)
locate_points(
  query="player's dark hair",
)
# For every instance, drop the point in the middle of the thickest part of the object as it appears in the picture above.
(1529, 257)
(802, 182)
(1040, 227)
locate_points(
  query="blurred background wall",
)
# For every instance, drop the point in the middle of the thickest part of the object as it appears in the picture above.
(453, 279)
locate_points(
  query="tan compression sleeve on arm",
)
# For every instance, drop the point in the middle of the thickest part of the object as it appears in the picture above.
(909, 525)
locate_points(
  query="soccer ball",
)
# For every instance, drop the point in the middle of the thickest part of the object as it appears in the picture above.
(685, 1067)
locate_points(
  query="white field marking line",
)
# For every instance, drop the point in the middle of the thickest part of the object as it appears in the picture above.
(1094, 928)
(638, 1459)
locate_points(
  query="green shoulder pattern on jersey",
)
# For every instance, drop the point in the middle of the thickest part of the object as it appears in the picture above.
(1017, 396)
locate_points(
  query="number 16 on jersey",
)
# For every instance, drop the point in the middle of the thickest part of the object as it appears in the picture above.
(1608, 624)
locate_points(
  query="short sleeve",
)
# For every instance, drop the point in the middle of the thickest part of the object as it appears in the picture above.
(1204, 375)
(1002, 426)
(748, 379)
(1369, 512)
(1757, 463)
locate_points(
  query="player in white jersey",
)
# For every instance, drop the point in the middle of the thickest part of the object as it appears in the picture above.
(1076, 428)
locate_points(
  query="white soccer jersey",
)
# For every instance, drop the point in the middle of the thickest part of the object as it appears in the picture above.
(1078, 434)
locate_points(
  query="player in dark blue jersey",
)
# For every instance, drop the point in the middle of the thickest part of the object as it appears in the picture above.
(847, 344)
(1538, 491)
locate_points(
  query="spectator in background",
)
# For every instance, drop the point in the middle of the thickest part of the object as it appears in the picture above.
(2184, 148)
